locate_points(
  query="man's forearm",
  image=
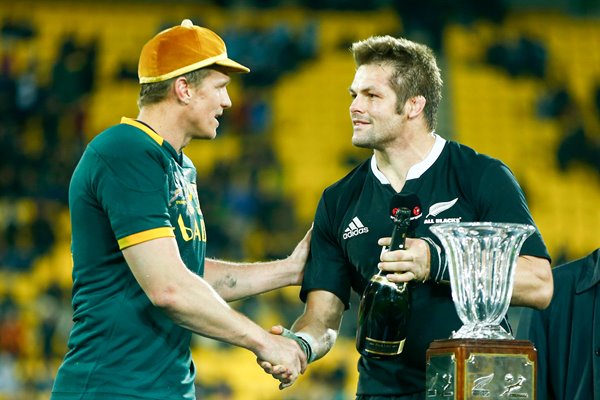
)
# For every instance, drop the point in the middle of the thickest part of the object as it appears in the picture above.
(187, 298)
(235, 281)
(320, 322)
(201, 310)
(533, 285)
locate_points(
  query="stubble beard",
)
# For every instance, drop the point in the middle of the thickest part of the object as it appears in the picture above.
(364, 139)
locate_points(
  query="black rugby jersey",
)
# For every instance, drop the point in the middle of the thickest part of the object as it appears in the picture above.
(454, 184)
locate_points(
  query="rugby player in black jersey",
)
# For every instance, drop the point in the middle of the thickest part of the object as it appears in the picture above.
(395, 97)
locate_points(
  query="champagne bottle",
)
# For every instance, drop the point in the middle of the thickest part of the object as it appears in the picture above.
(385, 306)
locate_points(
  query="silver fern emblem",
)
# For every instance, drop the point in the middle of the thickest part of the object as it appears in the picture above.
(437, 208)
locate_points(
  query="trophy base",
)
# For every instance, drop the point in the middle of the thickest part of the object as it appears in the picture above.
(470, 369)
(492, 331)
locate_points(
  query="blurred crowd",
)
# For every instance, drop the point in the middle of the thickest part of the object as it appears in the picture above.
(43, 131)
(41, 139)
(42, 135)
(526, 56)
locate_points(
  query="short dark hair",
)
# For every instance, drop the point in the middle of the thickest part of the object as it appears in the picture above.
(415, 70)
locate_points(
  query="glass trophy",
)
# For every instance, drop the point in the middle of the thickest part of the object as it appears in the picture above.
(481, 359)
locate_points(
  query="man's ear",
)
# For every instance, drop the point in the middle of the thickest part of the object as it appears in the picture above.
(415, 106)
(182, 90)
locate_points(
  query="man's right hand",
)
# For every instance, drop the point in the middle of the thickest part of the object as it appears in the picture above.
(282, 358)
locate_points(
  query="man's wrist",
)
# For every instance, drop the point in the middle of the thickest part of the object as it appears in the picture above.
(311, 344)
(438, 267)
(304, 340)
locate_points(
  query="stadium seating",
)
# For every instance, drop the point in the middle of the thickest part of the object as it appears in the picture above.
(496, 114)
(311, 134)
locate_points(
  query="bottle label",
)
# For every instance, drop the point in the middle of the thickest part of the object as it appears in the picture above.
(381, 347)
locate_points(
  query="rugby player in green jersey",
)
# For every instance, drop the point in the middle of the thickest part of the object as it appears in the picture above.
(395, 97)
(141, 283)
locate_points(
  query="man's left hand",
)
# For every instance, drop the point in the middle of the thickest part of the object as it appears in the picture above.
(405, 265)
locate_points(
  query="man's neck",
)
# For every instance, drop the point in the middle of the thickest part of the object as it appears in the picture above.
(395, 161)
(164, 123)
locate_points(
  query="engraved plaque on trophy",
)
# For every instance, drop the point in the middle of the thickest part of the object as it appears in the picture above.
(481, 360)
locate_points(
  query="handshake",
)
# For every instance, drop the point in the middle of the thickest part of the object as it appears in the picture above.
(287, 359)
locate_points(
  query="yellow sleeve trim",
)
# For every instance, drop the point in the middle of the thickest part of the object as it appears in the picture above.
(144, 236)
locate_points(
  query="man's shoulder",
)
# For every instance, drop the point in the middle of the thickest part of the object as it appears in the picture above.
(353, 179)
(466, 154)
(471, 167)
(352, 182)
(584, 270)
(123, 140)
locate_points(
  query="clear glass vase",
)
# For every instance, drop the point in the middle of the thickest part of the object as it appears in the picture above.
(482, 257)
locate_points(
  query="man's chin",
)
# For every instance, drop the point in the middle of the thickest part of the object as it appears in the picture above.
(361, 143)
(205, 136)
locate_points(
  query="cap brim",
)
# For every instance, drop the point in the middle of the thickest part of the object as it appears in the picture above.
(232, 66)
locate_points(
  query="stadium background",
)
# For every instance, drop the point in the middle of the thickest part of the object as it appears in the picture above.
(522, 83)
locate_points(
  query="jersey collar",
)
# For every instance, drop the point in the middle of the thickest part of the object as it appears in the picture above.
(418, 169)
(155, 136)
(143, 127)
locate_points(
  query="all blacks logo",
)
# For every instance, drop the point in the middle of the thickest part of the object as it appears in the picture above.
(355, 232)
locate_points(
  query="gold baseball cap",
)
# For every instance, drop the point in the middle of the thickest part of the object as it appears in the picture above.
(181, 49)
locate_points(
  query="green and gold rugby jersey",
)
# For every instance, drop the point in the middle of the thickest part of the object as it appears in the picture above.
(454, 184)
(130, 186)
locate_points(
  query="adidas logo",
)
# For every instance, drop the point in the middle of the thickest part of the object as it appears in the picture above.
(355, 228)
